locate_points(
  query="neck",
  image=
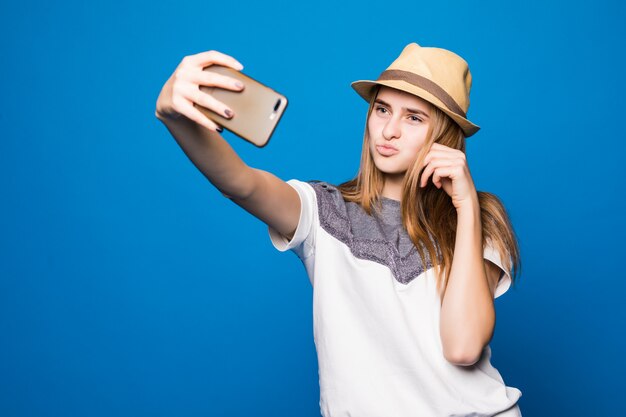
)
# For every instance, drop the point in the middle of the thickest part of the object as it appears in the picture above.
(393, 186)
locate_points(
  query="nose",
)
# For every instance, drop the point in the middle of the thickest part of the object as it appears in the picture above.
(392, 129)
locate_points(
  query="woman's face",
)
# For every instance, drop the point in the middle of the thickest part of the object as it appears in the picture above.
(397, 129)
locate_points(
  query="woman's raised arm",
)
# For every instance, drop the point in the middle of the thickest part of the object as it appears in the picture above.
(259, 192)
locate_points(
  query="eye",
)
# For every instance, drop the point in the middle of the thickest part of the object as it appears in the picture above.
(381, 109)
(415, 118)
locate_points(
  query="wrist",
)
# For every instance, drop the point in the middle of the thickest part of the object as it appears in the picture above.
(469, 220)
(471, 206)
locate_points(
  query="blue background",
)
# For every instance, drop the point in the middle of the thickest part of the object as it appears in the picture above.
(129, 286)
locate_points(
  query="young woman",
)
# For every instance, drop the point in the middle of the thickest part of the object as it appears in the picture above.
(405, 259)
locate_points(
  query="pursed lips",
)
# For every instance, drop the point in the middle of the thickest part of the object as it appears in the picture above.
(386, 150)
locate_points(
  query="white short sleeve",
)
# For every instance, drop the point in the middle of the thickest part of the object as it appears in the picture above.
(303, 241)
(491, 253)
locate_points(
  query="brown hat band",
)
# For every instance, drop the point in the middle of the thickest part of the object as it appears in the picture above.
(425, 84)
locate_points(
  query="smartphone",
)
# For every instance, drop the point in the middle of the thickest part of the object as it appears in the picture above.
(257, 107)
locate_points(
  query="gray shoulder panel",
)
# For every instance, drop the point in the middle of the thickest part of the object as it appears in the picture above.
(369, 237)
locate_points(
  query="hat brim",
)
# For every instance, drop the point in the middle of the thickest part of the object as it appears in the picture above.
(365, 89)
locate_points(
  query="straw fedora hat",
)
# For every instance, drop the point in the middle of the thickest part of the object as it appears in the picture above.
(437, 75)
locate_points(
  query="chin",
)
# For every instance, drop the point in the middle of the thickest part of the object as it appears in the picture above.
(389, 170)
(388, 167)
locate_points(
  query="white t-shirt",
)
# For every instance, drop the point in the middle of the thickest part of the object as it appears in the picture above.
(376, 317)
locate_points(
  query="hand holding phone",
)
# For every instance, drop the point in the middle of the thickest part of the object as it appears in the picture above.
(204, 89)
(181, 91)
(257, 108)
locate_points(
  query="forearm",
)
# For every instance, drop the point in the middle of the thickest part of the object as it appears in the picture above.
(467, 311)
(213, 156)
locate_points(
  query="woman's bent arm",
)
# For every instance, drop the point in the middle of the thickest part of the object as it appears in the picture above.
(467, 312)
(262, 194)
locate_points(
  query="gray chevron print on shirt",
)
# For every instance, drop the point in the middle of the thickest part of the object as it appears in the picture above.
(380, 238)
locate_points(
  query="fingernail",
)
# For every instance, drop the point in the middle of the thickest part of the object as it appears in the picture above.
(228, 113)
(239, 66)
(220, 129)
(239, 84)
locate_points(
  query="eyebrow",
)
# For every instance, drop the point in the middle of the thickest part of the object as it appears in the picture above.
(416, 111)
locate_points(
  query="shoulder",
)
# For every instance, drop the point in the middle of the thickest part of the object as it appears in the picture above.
(325, 190)
(328, 197)
(332, 209)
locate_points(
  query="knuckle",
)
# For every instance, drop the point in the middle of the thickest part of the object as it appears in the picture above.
(179, 74)
(177, 90)
(176, 102)
(212, 104)
(205, 96)
(205, 100)
(212, 78)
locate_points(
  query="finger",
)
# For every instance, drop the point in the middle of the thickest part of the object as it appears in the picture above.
(213, 79)
(192, 93)
(442, 148)
(436, 145)
(447, 160)
(433, 154)
(206, 58)
(436, 179)
(426, 174)
(437, 163)
(440, 173)
(437, 153)
(197, 116)
(211, 103)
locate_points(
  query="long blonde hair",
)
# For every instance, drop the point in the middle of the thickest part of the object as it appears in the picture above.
(428, 213)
